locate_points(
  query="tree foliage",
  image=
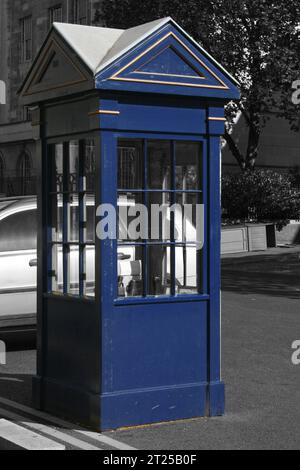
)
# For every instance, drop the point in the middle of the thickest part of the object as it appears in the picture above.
(256, 40)
(260, 196)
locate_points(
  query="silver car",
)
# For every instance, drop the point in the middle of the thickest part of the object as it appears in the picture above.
(17, 264)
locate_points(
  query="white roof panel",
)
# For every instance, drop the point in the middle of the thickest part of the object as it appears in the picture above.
(91, 43)
(129, 39)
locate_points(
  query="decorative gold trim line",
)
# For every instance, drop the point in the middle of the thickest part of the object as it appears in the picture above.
(217, 119)
(116, 75)
(168, 83)
(105, 111)
(35, 123)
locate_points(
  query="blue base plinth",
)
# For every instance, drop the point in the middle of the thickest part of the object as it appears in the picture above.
(130, 408)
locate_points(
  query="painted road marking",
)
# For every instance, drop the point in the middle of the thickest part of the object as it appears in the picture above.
(65, 438)
(25, 438)
(100, 438)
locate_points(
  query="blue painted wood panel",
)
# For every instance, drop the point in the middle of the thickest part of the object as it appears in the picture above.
(154, 346)
(153, 117)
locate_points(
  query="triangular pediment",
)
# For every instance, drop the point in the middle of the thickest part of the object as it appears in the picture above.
(55, 68)
(170, 61)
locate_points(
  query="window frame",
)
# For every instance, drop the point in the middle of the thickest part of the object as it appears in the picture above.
(25, 172)
(26, 26)
(78, 8)
(52, 11)
(66, 244)
(201, 272)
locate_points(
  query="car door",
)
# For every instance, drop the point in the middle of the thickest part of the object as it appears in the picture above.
(18, 269)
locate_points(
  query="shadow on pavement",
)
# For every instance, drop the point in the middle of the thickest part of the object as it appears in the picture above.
(16, 387)
(276, 276)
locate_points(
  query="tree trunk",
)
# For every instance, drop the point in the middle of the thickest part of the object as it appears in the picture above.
(235, 151)
(252, 150)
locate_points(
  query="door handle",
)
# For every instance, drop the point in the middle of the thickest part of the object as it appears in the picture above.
(33, 263)
(123, 257)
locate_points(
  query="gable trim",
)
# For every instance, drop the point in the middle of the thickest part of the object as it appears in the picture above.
(117, 77)
(44, 61)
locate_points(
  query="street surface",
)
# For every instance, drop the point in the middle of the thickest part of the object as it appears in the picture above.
(261, 320)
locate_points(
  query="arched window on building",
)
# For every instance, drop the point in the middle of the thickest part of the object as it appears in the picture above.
(2, 168)
(25, 175)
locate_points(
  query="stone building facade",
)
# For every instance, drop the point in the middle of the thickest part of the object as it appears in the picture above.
(24, 26)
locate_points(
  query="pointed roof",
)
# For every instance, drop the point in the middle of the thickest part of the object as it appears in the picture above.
(99, 47)
(93, 53)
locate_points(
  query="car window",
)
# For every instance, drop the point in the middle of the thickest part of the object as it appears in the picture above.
(4, 204)
(19, 232)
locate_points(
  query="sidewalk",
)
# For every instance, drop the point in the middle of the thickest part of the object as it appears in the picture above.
(275, 273)
(253, 256)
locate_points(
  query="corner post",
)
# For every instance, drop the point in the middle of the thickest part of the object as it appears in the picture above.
(42, 254)
(216, 388)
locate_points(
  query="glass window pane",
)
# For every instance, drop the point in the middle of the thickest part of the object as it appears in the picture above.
(74, 270)
(73, 166)
(130, 271)
(160, 217)
(73, 216)
(130, 164)
(57, 217)
(159, 165)
(56, 156)
(57, 269)
(90, 220)
(188, 166)
(159, 270)
(132, 217)
(89, 166)
(187, 268)
(188, 218)
(90, 271)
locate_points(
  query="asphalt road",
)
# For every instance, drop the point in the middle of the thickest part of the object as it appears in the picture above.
(260, 321)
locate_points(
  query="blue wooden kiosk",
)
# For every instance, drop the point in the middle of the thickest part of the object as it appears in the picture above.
(128, 330)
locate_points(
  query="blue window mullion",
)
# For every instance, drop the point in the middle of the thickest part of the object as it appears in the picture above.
(146, 204)
(203, 256)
